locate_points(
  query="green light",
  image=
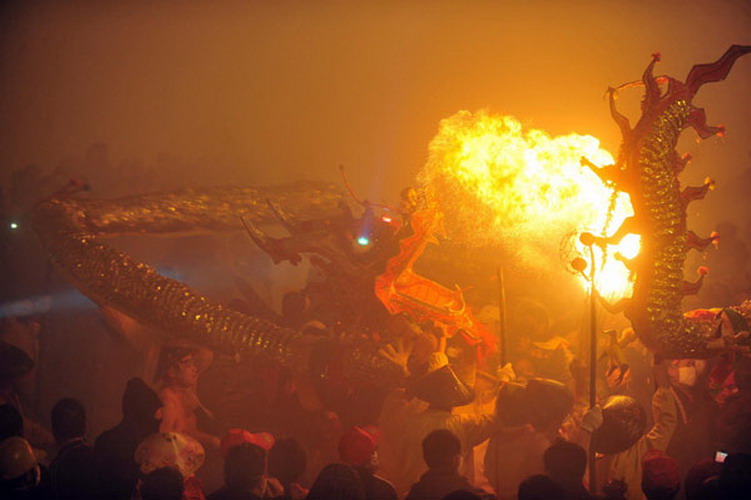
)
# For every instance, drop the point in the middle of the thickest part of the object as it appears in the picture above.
(364, 241)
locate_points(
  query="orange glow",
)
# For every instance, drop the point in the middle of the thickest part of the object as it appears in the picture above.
(497, 180)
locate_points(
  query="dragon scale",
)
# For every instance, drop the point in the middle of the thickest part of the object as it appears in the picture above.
(72, 231)
(648, 169)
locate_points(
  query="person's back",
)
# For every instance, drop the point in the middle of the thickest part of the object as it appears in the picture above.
(162, 484)
(72, 472)
(287, 463)
(357, 448)
(441, 451)
(696, 481)
(695, 436)
(376, 487)
(735, 477)
(115, 448)
(513, 454)
(337, 482)
(734, 422)
(539, 487)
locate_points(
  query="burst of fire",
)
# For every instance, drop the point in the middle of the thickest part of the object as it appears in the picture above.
(498, 181)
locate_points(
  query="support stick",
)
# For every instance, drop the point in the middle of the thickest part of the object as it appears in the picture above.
(502, 325)
(592, 365)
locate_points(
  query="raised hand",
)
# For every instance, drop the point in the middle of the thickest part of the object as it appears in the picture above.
(398, 353)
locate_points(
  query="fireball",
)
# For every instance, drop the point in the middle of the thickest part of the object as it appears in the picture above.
(501, 184)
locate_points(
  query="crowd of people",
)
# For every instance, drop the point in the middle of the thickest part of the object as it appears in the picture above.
(461, 426)
(424, 444)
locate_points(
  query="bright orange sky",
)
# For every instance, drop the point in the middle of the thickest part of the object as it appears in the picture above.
(272, 91)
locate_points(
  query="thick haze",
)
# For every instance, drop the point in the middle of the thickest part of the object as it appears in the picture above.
(264, 92)
(258, 92)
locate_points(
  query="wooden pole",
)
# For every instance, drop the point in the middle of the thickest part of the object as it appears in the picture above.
(592, 366)
(502, 325)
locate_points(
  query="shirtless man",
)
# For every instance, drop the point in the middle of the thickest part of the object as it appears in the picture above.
(178, 382)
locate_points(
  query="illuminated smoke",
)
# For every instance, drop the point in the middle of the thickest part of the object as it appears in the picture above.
(500, 184)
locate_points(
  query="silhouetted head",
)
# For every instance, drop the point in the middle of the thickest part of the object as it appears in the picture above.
(337, 482)
(245, 468)
(11, 422)
(565, 462)
(162, 484)
(68, 418)
(549, 402)
(140, 404)
(441, 449)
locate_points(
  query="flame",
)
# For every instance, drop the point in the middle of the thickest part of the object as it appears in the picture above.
(496, 180)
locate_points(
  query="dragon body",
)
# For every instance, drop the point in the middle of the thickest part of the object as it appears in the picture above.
(74, 232)
(647, 169)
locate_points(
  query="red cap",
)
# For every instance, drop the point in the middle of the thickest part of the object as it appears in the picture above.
(659, 473)
(357, 445)
(235, 437)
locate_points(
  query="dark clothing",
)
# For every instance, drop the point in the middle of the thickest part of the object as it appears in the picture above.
(575, 492)
(437, 483)
(734, 424)
(376, 488)
(118, 470)
(226, 494)
(72, 471)
(116, 448)
(695, 436)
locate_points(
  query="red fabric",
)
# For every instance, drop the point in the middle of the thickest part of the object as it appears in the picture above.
(235, 437)
(356, 446)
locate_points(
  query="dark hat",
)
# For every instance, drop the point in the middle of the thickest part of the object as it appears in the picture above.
(623, 424)
(541, 402)
(442, 389)
(13, 362)
(549, 402)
